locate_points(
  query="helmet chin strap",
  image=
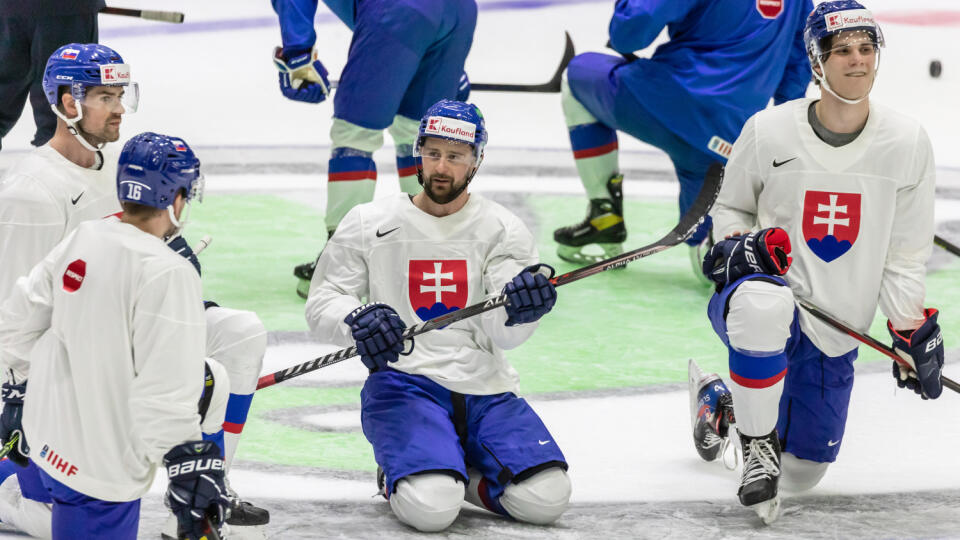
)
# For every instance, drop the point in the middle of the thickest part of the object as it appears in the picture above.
(826, 85)
(73, 126)
(178, 225)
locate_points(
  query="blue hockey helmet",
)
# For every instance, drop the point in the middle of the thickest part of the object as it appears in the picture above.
(454, 121)
(82, 65)
(153, 168)
(831, 18)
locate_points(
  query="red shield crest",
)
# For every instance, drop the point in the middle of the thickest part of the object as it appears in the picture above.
(437, 287)
(831, 222)
(770, 9)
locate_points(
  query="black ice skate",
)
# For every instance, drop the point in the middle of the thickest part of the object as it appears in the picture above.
(304, 273)
(603, 227)
(761, 474)
(711, 413)
(381, 483)
(242, 513)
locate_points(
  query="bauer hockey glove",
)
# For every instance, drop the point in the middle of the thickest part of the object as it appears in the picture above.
(179, 244)
(10, 423)
(530, 295)
(196, 492)
(463, 88)
(923, 350)
(302, 76)
(763, 252)
(378, 331)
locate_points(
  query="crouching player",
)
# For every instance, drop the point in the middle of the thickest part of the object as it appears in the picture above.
(839, 191)
(444, 421)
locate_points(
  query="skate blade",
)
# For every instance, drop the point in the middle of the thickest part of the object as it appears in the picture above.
(768, 511)
(590, 253)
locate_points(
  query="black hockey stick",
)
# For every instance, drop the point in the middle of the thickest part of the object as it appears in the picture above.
(553, 85)
(688, 223)
(867, 340)
(946, 244)
(146, 14)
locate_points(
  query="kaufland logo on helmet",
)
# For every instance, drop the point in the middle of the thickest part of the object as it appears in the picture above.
(849, 19)
(69, 54)
(114, 73)
(451, 128)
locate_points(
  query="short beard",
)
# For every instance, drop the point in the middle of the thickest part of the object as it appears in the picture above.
(444, 199)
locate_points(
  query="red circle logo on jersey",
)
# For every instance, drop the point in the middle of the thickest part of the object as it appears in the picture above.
(770, 9)
(73, 275)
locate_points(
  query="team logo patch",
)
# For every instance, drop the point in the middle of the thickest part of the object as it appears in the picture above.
(831, 222)
(69, 54)
(720, 146)
(179, 145)
(73, 275)
(114, 73)
(451, 128)
(437, 287)
(770, 9)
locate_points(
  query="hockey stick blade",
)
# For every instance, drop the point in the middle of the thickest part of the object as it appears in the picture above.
(551, 86)
(867, 340)
(146, 14)
(688, 223)
(946, 244)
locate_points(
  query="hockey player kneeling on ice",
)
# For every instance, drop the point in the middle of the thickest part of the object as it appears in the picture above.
(109, 328)
(444, 419)
(842, 193)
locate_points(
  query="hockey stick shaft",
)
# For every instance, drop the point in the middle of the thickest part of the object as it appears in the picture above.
(203, 244)
(147, 14)
(688, 223)
(946, 244)
(867, 340)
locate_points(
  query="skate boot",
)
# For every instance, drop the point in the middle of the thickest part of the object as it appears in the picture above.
(711, 413)
(242, 513)
(381, 483)
(601, 234)
(304, 273)
(761, 474)
(697, 253)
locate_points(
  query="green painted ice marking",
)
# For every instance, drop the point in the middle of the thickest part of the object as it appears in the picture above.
(625, 328)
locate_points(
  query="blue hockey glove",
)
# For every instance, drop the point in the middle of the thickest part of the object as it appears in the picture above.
(10, 423)
(378, 331)
(530, 295)
(463, 88)
(923, 349)
(179, 244)
(196, 491)
(302, 76)
(763, 252)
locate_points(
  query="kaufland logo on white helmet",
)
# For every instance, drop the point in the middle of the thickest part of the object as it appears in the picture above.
(114, 73)
(849, 19)
(451, 128)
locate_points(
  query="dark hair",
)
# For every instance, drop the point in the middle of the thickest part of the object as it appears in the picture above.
(139, 210)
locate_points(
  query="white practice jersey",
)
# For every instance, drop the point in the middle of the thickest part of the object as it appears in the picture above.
(109, 331)
(390, 251)
(42, 198)
(859, 216)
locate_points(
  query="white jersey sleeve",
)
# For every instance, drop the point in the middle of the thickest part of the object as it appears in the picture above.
(902, 288)
(736, 207)
(340, 283)
(514, 253)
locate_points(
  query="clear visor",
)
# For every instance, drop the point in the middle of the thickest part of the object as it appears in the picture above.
(433, 150)
(196, 188)
(855, 42)
(117, 99)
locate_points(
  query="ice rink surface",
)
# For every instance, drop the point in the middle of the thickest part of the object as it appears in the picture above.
(634, 471)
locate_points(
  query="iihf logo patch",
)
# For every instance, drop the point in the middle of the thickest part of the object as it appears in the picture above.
(437, 287)
(831, 222)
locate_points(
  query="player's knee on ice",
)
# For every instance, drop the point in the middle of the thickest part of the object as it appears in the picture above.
(428, 502)
(759, 317)
(238, 340)
(217, 409)
(800, 474)
(540, 499)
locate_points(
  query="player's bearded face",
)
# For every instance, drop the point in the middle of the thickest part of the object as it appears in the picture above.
(851, 65)
(446, 167)
(102, 113)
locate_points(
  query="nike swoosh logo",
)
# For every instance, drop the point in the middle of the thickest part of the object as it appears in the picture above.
(382, 234)
(543, 442)
(833, 443)
(779, 163)
(74, 201)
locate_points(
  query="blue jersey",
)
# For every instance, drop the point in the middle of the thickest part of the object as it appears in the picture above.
(296, 20)
(729, 56)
